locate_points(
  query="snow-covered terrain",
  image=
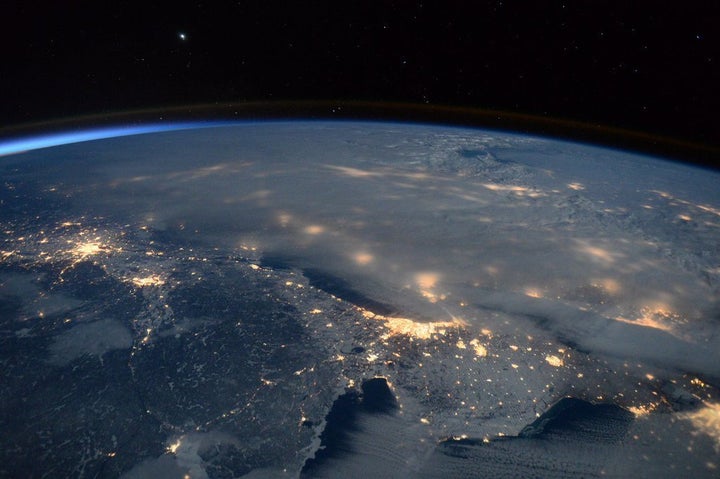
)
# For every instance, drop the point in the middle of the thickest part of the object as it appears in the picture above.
(484, 276)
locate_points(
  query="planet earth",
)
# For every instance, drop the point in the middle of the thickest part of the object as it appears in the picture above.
(355, 299)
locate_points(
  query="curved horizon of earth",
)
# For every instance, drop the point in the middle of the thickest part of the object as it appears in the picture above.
(339, 299)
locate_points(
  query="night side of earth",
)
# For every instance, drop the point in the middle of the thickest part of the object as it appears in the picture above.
(355, 299)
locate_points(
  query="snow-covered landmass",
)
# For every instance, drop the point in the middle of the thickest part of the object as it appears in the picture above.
(198, 301)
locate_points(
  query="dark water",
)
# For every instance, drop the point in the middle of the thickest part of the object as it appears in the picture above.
(587, 433)
(330, 284)
(572, 417)
(344, 419)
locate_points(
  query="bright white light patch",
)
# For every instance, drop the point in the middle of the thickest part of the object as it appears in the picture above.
(152, 280)
(553, 360)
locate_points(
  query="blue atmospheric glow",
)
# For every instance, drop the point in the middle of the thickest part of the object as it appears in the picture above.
(36, 142)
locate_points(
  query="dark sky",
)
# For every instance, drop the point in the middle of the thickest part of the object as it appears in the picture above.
(629, 64)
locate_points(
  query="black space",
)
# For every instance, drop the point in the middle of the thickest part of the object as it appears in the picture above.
(634, 65)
